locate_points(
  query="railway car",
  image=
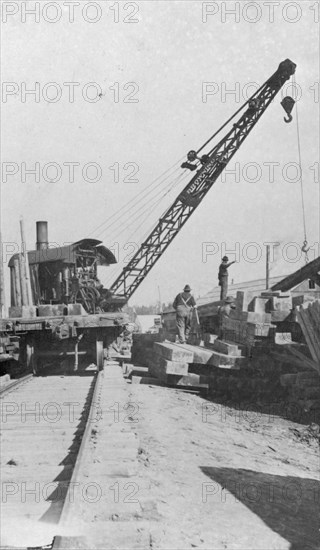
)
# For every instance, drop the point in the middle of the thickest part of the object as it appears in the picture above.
(60, 310)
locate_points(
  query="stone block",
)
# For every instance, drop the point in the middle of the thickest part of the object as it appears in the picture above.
(173, 352)
(25, 312)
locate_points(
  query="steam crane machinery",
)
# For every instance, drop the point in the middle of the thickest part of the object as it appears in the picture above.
(71, 311)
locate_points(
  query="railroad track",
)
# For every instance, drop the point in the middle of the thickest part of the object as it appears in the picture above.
(8, 387)
(44, 426)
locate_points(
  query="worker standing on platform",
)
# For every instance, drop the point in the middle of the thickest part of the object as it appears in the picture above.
(184, 303)
(223, 276)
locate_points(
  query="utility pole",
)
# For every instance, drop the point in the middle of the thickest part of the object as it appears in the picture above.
(267, 265)
(160, 303)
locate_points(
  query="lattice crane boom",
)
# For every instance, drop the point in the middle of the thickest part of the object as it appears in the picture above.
(209, 169)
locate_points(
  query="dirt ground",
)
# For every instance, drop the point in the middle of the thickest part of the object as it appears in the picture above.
(225, 478)
(190, 473)
(170, 469)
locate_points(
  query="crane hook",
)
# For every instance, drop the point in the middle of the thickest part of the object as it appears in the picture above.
(305, 248)
(289, 119)
(288, 103)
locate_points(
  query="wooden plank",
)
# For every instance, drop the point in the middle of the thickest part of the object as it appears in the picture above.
(160, 366)
(309, 324)
(306, 332)
(173, 352)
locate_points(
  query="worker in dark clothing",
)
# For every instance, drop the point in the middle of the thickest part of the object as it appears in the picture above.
(223, 276)
(184, 303)
(223, 312)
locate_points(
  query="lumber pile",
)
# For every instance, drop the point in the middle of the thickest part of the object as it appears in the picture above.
(308, 316)
(254, 316)
(169, 359)
(142, 347)
(170, 364)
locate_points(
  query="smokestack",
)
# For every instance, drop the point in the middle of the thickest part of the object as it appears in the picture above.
(42, 235)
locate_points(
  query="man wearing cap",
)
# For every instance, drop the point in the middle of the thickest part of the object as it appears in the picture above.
(223, 312)
(223, 276)
(183, 304)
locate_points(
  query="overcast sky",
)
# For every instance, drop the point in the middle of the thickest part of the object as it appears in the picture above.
(149, 61)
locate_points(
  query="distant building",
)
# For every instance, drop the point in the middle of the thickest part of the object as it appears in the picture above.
(307, 288)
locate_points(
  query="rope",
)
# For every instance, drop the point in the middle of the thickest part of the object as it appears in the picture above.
(304, 248)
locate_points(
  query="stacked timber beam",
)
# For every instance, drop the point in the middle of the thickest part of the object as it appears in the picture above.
(254, 317)
(184, 364)
(169, 362)
(142, 347)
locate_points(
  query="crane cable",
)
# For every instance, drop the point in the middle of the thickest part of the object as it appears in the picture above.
(128, 207)
(231, 118)
(304, 247)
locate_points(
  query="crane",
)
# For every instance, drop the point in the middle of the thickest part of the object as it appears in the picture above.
(64, 280)
(208, 168)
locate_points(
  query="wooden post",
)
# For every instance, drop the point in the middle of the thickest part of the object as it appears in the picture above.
(2, 294)
(17, 300)
(267, 266)
(25, 264)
